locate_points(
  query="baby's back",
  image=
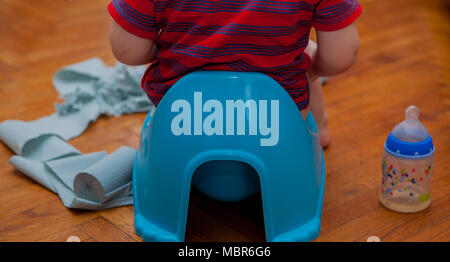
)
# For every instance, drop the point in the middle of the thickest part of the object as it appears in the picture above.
(266, 36)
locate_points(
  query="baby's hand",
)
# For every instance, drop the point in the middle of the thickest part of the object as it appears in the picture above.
(311, 50)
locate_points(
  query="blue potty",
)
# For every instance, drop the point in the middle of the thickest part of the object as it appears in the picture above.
(229, 134)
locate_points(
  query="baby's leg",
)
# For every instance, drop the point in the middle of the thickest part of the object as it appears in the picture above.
(304, 113)
(317, 107)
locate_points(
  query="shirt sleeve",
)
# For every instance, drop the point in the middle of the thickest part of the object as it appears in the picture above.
(135, 16)
(332, 15)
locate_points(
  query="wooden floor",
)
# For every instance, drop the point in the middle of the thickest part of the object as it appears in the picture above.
(404, 59)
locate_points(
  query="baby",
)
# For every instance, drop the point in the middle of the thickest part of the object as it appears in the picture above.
(269, 36)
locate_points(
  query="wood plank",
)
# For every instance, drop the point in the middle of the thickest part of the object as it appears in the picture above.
(102, 230)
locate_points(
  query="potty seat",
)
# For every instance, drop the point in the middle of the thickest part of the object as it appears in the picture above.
(230, 134)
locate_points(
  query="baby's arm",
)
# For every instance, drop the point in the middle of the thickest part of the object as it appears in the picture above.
(130, 49)
(336, 51)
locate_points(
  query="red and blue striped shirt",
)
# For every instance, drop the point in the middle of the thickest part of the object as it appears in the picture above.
(267, 36)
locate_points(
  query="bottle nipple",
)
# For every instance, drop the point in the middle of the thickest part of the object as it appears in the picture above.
(411, 129)
(412, 113)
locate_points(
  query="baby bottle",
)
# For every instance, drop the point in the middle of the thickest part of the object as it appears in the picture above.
(407, 166)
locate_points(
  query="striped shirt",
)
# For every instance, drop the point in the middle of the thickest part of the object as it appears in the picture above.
(267, 36)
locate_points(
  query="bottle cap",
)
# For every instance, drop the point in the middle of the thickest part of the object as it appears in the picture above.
(410, 138)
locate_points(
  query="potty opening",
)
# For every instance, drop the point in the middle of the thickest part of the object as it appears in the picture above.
(236, 186)
(226, 180)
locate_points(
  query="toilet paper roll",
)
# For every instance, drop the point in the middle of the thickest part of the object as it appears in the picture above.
(107, 178)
